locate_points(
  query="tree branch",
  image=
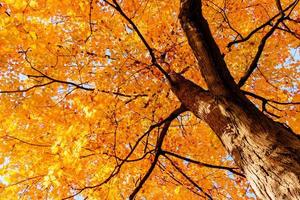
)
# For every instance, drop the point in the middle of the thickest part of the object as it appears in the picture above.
(27, 89)
(231, 169)
(117, 168)
(278, 4)
(263, 99)
(222, 11)
(154, 61)
(158, 152)
(262, 44)
(25, 142)
(210, 60)
(90, 20)
(262, 26)
(25, 180)
(188, 178)
(43, 75)
(260, 49)
(153, 164)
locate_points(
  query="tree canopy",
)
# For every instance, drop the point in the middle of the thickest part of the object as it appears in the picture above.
(86, 101)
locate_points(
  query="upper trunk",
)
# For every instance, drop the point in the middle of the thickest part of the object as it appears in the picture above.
(267, 152)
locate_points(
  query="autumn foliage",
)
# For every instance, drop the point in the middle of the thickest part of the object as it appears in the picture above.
(85, 104)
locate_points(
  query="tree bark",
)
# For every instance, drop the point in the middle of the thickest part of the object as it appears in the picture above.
(266, 151)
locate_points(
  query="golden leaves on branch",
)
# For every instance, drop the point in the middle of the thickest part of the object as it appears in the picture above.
(60, 139)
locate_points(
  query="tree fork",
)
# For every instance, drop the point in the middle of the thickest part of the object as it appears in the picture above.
(266, 151)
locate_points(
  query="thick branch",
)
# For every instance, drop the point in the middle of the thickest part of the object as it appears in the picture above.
(207, 52)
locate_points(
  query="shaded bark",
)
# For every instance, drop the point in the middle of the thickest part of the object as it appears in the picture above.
(267, 152)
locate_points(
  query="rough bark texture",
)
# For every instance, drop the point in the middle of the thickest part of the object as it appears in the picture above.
(267, 152)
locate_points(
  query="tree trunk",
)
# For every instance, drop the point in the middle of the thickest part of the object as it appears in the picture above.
(266, 151)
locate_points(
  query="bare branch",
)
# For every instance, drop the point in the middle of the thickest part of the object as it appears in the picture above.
(269, 100)
(153, 164)
(158, 152)
(188, 178)
(90, 20)
(172, 176)
(25, 142)
(137, 159)
(222, 11)
(278, 4)
(154, 61)
(117, 168)
(43, 75)
(27, 89)
(123, 94)
(24, 180)
(231, 169)
(260, 49)
(263, 25)
(262, 44)
(288, 30)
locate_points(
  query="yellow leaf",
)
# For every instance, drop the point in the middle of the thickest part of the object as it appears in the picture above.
(33, 35)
